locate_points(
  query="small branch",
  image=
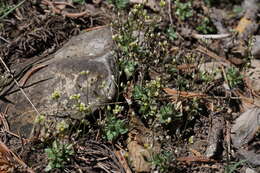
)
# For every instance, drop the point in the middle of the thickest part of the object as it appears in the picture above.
(210, 36)
(170, 11)
(2, 38)
(213, 55)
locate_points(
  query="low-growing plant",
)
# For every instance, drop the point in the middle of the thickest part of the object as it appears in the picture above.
(210, 2)
(172, 33)
(79, 1)
(168, 113)
(234, 78)
(183, 10)
(206, 77)
(58, 155)
(146, 97)
(162, 161)
(78, 105)
(114, 127)
(4, 8)
(129, 67)
(120, 4)
(206, 26)
(231, 168)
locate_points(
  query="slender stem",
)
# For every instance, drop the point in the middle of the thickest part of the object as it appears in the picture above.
(12, 9)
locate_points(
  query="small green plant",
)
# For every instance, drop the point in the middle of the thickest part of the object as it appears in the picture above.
(234, 78)
(206, 77)
(146, 97)
(183, 10)
(79, 106)
(55, 95)
(128, 67)
(237, 10)
(4, 8)
(210, 2)
(162, 161)
(114, 127)
(79, 1)
(58, 155)
(231, 168)
(172, 33)
(62, 126)
(206, 26)
(120, 4)
(167, 113)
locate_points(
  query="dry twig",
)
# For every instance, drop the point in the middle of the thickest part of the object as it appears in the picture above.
(65, 13)
(210, 36)
(175, 93)
(201, 159)
(213, 55)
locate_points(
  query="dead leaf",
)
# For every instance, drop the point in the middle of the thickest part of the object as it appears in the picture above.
(243, 24)
(5, 159)
(141, 146)
(138, 156)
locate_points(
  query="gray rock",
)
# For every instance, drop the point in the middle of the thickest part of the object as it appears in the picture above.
(215, 137)
(253, 73)
(243, 131)
(245, 127)
(256, 47)
(84, 68)
(249, 170)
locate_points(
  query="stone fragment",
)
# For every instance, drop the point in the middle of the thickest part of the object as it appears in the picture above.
(256, 47)
(249, 170)
(243, 132)
(245, 127)
(253, 73)
(215, 138)
(81, 75)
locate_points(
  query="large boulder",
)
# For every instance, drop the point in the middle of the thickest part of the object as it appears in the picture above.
(76, 80)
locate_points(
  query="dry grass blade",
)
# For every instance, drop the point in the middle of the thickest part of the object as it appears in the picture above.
(201, 159)
(6, 165)
(7, 156)
(177, 93)
(122, 160)
(12, 9)
(4, 121)
(186, 66)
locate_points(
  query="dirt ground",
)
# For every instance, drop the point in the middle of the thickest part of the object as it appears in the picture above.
(206, 109)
